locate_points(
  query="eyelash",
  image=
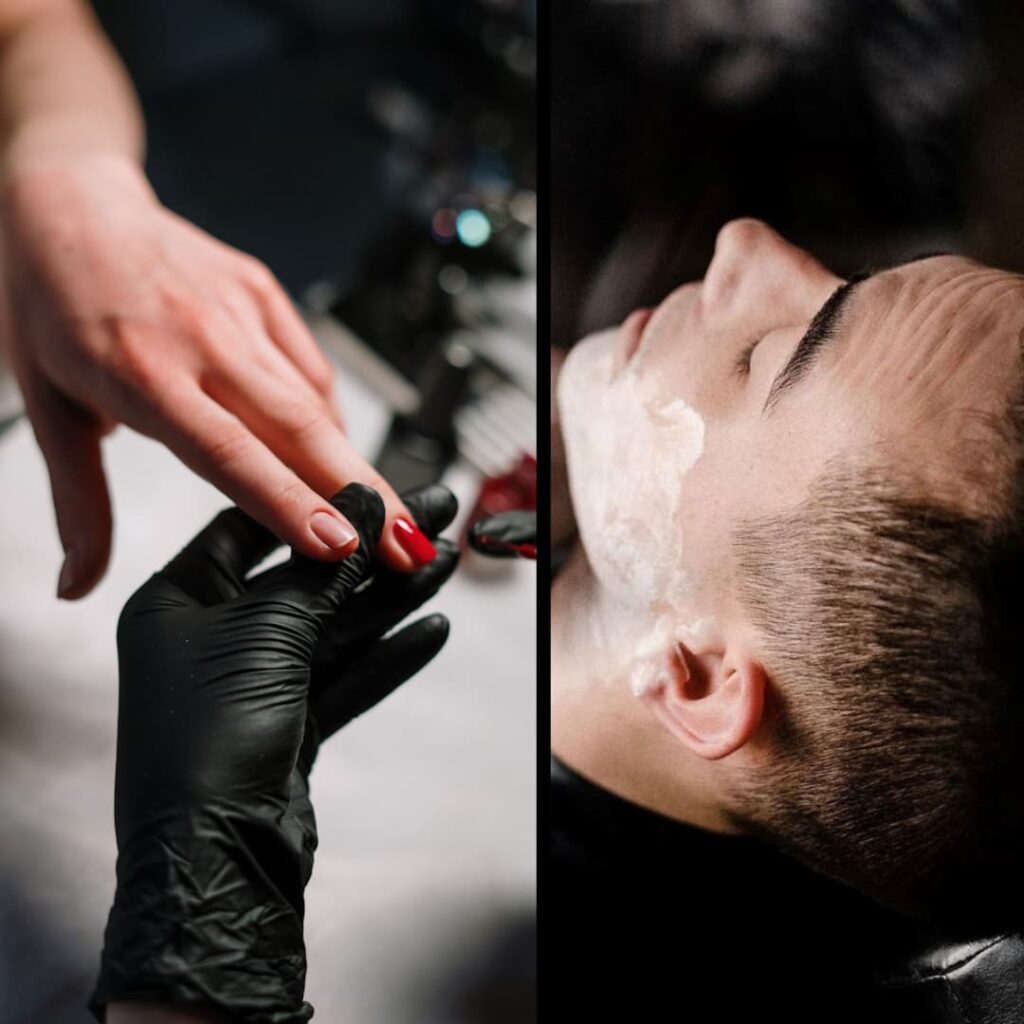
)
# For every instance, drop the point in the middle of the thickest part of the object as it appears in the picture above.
(743, 360)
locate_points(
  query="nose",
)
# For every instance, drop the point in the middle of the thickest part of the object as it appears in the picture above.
(742, 235)
(740, 250)
(754, 264)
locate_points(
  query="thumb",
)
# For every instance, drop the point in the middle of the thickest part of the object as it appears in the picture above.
(69, 438)
(320, 587)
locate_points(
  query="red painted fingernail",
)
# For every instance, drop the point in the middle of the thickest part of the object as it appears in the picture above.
(413, 542)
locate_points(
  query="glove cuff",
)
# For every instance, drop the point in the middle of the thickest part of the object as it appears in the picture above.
(208, 912)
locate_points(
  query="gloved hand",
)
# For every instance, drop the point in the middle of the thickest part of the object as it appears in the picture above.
(227, 687)
(506, 535)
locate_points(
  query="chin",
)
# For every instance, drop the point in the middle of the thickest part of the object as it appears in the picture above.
(587, 371)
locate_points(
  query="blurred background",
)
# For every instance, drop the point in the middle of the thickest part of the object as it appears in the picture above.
(379, 156)
(867, 131)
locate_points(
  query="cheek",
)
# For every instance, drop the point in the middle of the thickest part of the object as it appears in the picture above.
(631, 460)
(628, 458)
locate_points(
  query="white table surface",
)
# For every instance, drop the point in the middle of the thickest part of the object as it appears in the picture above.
(421, 906)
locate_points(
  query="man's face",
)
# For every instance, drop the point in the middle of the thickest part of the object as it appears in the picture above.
(727, 401)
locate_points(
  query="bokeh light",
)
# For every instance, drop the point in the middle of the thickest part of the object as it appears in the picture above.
(473, 228)
(442, 225)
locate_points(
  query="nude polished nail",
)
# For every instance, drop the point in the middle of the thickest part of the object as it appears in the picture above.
(332, 531)
(413, 542)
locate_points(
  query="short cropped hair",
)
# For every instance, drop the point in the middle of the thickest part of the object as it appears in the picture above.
(894, 629)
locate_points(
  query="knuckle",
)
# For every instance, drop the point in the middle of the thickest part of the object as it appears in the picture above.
(301, 419)
(323, 372)
(210, 331)
(192, 315)
(132, 359)
(257, 273)
(228, 449)
(180, 309)
(290, 494)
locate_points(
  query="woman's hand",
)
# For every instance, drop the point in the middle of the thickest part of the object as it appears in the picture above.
(117, 311)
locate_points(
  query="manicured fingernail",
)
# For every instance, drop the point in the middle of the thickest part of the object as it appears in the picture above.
(413, 542)
(332, 531)
(68, 573)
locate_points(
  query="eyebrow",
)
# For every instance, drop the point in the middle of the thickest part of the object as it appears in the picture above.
(821, 330)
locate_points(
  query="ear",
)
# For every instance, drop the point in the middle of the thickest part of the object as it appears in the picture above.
(711, 702)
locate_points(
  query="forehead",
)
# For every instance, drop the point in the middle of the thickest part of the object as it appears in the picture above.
(938, 332)
(928, 360)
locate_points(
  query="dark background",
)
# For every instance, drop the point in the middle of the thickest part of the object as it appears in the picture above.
(260, 113)
(867, 131)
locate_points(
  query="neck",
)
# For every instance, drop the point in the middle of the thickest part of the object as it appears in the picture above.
(601, 730)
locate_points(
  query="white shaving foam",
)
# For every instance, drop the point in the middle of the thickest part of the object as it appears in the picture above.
(628, 454)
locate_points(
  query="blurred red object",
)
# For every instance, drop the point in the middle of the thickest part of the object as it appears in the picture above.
(516, 489)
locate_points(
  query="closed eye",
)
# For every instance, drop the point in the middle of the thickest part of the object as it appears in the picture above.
(742, 365)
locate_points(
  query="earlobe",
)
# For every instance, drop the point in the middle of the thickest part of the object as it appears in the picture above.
(713, 704)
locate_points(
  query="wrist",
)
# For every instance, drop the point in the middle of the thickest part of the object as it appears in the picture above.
(208, 911)
(62, 135)
(29, 171)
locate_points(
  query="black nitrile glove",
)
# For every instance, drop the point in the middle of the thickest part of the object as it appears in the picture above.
(352, 643)
(227, 686)
(506, 535)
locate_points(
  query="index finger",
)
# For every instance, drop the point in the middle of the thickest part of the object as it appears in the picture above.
(299, 433)
(217, 446)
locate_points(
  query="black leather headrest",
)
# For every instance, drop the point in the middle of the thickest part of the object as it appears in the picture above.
(978, 981)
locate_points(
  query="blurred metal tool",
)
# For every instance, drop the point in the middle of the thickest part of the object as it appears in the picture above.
(420, 446)
(494, 429)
